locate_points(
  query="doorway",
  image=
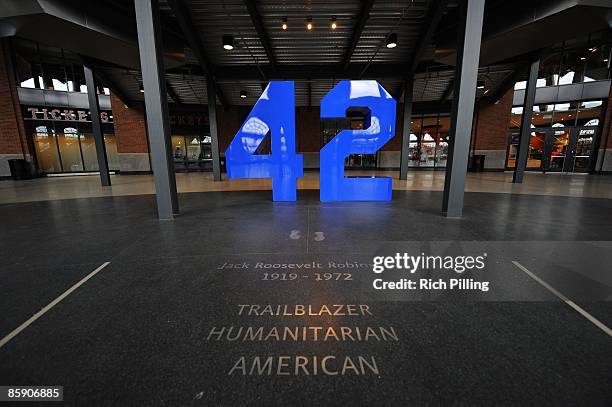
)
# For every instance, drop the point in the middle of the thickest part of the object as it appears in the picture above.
(556, 149)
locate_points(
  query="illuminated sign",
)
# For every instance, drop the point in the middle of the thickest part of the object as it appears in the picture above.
(274, 115)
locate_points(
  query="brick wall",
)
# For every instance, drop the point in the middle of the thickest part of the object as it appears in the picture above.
(130, 127)
(491, 130)
(131, 135)
(12, 132)
(308, 129)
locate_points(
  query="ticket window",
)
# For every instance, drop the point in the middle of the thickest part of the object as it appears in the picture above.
(47, 154)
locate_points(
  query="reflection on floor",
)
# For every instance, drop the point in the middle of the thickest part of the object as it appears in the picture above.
(41, 189)
(138, 333)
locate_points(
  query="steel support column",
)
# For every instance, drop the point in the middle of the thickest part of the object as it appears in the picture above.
(156, 102)
(466, 74)
(523, 149)
(214, 132)
(405, 154)
(94, 109)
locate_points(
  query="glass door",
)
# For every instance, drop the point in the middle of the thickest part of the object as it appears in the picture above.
(537, 143)
(582, 148)
(70, 150)
(513, 143)
(557, 150)
(47, 152)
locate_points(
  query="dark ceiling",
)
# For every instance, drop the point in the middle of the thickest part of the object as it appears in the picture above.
(104, 32)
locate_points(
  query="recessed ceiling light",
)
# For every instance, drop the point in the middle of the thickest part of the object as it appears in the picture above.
(480, 84)
(140, 88)
(243, 94)
(285, 23)
(392, 40)
(334, 25)
(582, 58)
(228, 42)
(309, 23)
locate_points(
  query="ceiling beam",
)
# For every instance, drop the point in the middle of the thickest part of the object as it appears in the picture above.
(290, 72)
(261, 31)
(231, 73)
(182, 14)
(362, 18)
(102, 77)
(428, 28)
(113, 86)
(505, 85)
(172, 93)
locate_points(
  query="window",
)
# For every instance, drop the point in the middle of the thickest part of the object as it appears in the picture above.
(516, 116)
(70, 150)
(548, 74)
(589, 113)
(598, 62)
(45, 145)
(542, 115)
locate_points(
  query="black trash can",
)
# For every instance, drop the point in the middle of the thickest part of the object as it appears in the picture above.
(477, 163)
(20, 169)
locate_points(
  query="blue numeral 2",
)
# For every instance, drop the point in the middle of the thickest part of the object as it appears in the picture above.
(379, 128)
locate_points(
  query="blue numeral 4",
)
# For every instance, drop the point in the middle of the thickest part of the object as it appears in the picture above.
(273, 113)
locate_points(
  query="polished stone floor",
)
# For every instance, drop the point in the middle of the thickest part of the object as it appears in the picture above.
(42, 189)
(141, 331)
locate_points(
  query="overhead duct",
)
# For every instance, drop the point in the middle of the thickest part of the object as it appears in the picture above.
(520, 27)
(93, 29)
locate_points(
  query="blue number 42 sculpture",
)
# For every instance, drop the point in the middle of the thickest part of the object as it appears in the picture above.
(274, 114)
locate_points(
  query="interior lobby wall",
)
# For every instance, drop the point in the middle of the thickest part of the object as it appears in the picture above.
(490, 134)
(13, 141)
(131, 134)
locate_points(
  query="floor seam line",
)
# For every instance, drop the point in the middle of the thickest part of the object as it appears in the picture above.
(566, 300)
(49, 306)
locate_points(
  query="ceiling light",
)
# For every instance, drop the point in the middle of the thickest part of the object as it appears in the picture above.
(309, 23)
(243, 94)
(228, 42)
(480, 84)
(582, 58)
(605, 60)
(392, 40)
(140, 88)
(333, 23)
(285, 23)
